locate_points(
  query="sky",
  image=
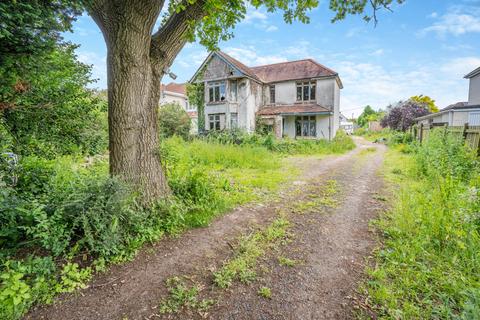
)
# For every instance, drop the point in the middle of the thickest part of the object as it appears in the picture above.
(422, 47)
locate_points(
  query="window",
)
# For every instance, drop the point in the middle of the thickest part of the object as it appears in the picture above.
(216, 91)
(272, 94)
(216, 121)
(233, 90)
(306, 90)
(305, 126)
(474, 118)
(233, 120)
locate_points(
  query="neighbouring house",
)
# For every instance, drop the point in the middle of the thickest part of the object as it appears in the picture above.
(460, 113)
(295, 99)
(345, 124)
(177, 93)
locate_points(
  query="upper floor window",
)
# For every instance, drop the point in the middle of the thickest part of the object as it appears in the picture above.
(216, 91)
(272, 94)
(233, 90)
(306, 90)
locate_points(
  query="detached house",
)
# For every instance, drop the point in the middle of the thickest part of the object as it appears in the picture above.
(460, 113)
(296, 99)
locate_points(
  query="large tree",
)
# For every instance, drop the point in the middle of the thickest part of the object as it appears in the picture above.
(138, 57)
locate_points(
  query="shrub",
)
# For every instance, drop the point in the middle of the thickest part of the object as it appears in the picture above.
(173, 120)
(401, 117)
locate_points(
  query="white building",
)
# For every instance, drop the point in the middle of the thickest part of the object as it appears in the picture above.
(345, 124)
(460, 113)
(177, 93)
(296, 99)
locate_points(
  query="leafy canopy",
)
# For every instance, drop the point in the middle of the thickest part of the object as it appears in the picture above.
(32, 26)
(428, 102)
(402, 116)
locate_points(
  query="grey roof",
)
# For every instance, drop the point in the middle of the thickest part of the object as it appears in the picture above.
(473, 73)
(453, 107)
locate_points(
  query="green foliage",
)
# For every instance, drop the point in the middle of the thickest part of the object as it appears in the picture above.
(33, 27)
(249, 251)
(265, 292)
(196, 97)
(368, 115)
(428, 268)
(48, 111)
(173, 120)
(428, 102)
(341, 143)
(181, 295)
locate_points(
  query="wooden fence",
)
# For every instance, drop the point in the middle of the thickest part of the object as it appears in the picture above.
(471, 134)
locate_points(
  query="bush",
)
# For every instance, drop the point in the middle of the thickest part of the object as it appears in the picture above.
(173, 120)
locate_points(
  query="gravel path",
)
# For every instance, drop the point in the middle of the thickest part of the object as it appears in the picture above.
(331, 244)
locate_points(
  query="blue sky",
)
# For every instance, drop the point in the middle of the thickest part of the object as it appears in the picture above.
(423, 47)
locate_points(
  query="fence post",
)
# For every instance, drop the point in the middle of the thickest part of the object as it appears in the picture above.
(465, 128)
(420, 133)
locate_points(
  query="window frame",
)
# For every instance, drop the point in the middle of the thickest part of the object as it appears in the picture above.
(214, 121)
(306, 126)
(306, 91)
(233, 124)
(271, 90)
(215, 90)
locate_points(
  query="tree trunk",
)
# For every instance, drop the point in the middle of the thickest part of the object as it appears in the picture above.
(133, 100)
(135, 64)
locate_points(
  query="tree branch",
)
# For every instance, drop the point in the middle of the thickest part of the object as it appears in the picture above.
(171, 37)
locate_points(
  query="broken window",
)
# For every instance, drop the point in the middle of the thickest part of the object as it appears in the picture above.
(216, 91)
(306, 90)
(272, 94)
(306, 126)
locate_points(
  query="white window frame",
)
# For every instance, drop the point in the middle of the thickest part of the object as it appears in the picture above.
(308, 91)
(215, 121)
(233, 120)
(216, 92)
(308, 123)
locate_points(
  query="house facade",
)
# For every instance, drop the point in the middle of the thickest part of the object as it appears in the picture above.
(177, 93)
(298, 99)
(460, 113)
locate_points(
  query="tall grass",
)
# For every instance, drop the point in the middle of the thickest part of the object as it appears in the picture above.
(429, 265)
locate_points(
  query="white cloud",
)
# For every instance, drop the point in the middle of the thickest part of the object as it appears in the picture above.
(377, 53)
(459, 21)
(432, 15)
(258, 18)
(99, 66)
(373, 84)
(250, 57)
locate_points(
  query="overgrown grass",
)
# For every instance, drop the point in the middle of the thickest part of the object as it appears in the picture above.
(428, 267)
(66, 218)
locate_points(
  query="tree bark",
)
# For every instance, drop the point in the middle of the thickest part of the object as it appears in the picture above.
(135, 63)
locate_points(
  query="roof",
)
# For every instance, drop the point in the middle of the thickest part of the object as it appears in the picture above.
(277, 72)
(192, 114)
(180, 88)
(293, 109)
(455, 106)
(472, 74)
(243, 68)
(292, 70)
(459, 106)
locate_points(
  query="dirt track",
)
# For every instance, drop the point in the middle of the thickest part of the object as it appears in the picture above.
(331, 244)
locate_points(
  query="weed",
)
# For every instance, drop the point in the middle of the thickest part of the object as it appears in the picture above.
(429, 265)
(250, 249)
(265, 292)
(286, 262)
(180, 295)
